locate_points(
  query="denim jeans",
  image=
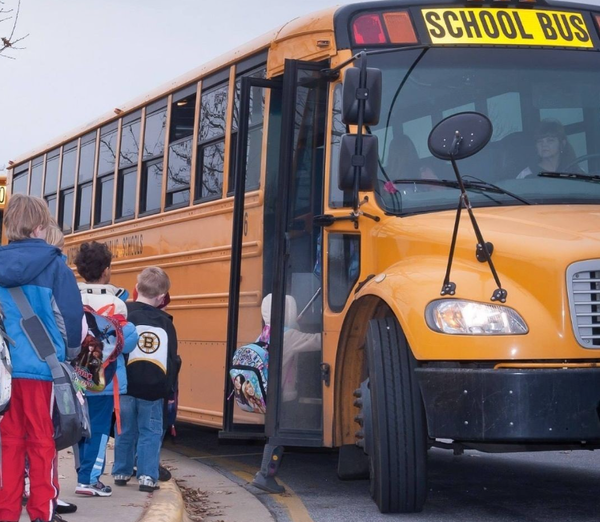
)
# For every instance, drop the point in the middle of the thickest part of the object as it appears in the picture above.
(141, 436)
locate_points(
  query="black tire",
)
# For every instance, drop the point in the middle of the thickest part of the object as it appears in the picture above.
(398, 452)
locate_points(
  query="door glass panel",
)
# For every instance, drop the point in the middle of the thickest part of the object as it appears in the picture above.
(301, 385)
(254, 310)
(343, 267)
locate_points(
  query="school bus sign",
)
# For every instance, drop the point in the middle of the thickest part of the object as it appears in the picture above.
(483, 26)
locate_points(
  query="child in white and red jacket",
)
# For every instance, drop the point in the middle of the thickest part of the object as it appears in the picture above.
(93, 264)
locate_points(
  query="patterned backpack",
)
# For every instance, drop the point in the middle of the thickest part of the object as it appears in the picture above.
(96, 364)
(250, 374)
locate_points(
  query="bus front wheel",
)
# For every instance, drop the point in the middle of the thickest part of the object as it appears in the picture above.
(398, 449)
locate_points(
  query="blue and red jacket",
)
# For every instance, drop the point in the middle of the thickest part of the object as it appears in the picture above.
(51, 289)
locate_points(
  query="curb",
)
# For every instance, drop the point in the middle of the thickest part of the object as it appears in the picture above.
(166, 505)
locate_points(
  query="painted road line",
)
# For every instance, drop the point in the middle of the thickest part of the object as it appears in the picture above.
(289, 500)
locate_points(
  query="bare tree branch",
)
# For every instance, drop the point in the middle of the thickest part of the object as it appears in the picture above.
(7, 43)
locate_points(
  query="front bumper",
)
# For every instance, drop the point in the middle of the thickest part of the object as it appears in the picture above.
(508, 405)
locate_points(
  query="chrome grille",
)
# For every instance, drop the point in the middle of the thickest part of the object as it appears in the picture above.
(583, 283)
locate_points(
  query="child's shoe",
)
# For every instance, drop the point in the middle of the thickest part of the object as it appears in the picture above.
(121, 480)
(147, 484)
(94, 490)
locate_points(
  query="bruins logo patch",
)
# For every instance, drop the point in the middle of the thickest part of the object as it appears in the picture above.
(148, 342)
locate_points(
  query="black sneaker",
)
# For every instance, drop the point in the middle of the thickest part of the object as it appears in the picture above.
(164, 474)
(63, 507)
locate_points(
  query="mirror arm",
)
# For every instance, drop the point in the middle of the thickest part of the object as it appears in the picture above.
(500, 294)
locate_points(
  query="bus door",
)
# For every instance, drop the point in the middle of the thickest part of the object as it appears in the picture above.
(297, 312)
(251, 253)
(290, 278)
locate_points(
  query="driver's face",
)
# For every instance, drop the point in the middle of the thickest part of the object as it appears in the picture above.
(548, 147)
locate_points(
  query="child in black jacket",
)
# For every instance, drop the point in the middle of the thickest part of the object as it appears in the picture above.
(151, 374)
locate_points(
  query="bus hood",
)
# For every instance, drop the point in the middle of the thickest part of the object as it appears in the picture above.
(524, 234)
(532, 248)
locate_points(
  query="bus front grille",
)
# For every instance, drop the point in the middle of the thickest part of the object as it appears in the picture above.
(583, 284)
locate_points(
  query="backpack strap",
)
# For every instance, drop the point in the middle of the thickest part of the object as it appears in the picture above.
(37, 334)
(106, 310)
(117, 402)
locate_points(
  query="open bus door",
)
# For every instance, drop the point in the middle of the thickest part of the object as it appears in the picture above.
(292, 257)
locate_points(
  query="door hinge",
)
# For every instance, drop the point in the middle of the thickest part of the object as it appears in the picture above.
(326, 373)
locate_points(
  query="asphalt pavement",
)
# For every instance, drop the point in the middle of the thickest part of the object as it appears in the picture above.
(535, 487)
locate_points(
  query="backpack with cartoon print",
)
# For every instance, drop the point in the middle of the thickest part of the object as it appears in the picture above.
(249, 374)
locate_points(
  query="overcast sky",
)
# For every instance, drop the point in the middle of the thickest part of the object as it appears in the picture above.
(85, 57)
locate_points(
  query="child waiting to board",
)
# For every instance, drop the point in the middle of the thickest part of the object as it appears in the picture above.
(151, 374)
(50, 287)
(93, 262)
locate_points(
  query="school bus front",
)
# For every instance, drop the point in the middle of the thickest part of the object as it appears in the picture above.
(441, 356)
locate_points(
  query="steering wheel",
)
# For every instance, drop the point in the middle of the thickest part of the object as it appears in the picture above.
(580, 159)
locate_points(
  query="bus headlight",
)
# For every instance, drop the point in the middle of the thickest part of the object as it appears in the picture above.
(455, 316)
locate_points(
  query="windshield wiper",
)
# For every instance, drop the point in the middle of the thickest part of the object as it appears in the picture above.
(476, 185)
(570, 175)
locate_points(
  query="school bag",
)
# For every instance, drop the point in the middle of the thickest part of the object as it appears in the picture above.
(96, 364)
(249, 374)
(70, 415)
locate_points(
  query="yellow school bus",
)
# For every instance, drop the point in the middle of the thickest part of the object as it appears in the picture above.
(326, 164)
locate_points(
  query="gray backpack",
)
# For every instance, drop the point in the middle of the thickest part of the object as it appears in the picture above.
(70, 413)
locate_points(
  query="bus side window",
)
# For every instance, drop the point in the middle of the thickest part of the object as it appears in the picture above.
(87, 154)
(35, 188)
(67, 190)
(211, 144)
(153, 149)
(179, 166)
(128, 161)
(19, 183)
(105, 179)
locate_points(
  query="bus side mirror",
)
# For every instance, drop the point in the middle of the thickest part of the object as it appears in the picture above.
(352, 93)
(367, 162)
(460, 136)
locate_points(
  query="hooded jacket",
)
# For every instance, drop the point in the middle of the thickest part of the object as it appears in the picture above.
(52, 292)
(111, 299)
(294, 342)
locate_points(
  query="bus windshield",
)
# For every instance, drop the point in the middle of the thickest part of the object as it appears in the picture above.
(545, 109)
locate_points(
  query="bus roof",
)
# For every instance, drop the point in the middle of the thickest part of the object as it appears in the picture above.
(273, 41)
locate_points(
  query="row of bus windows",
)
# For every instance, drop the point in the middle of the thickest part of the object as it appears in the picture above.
(138, 160)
